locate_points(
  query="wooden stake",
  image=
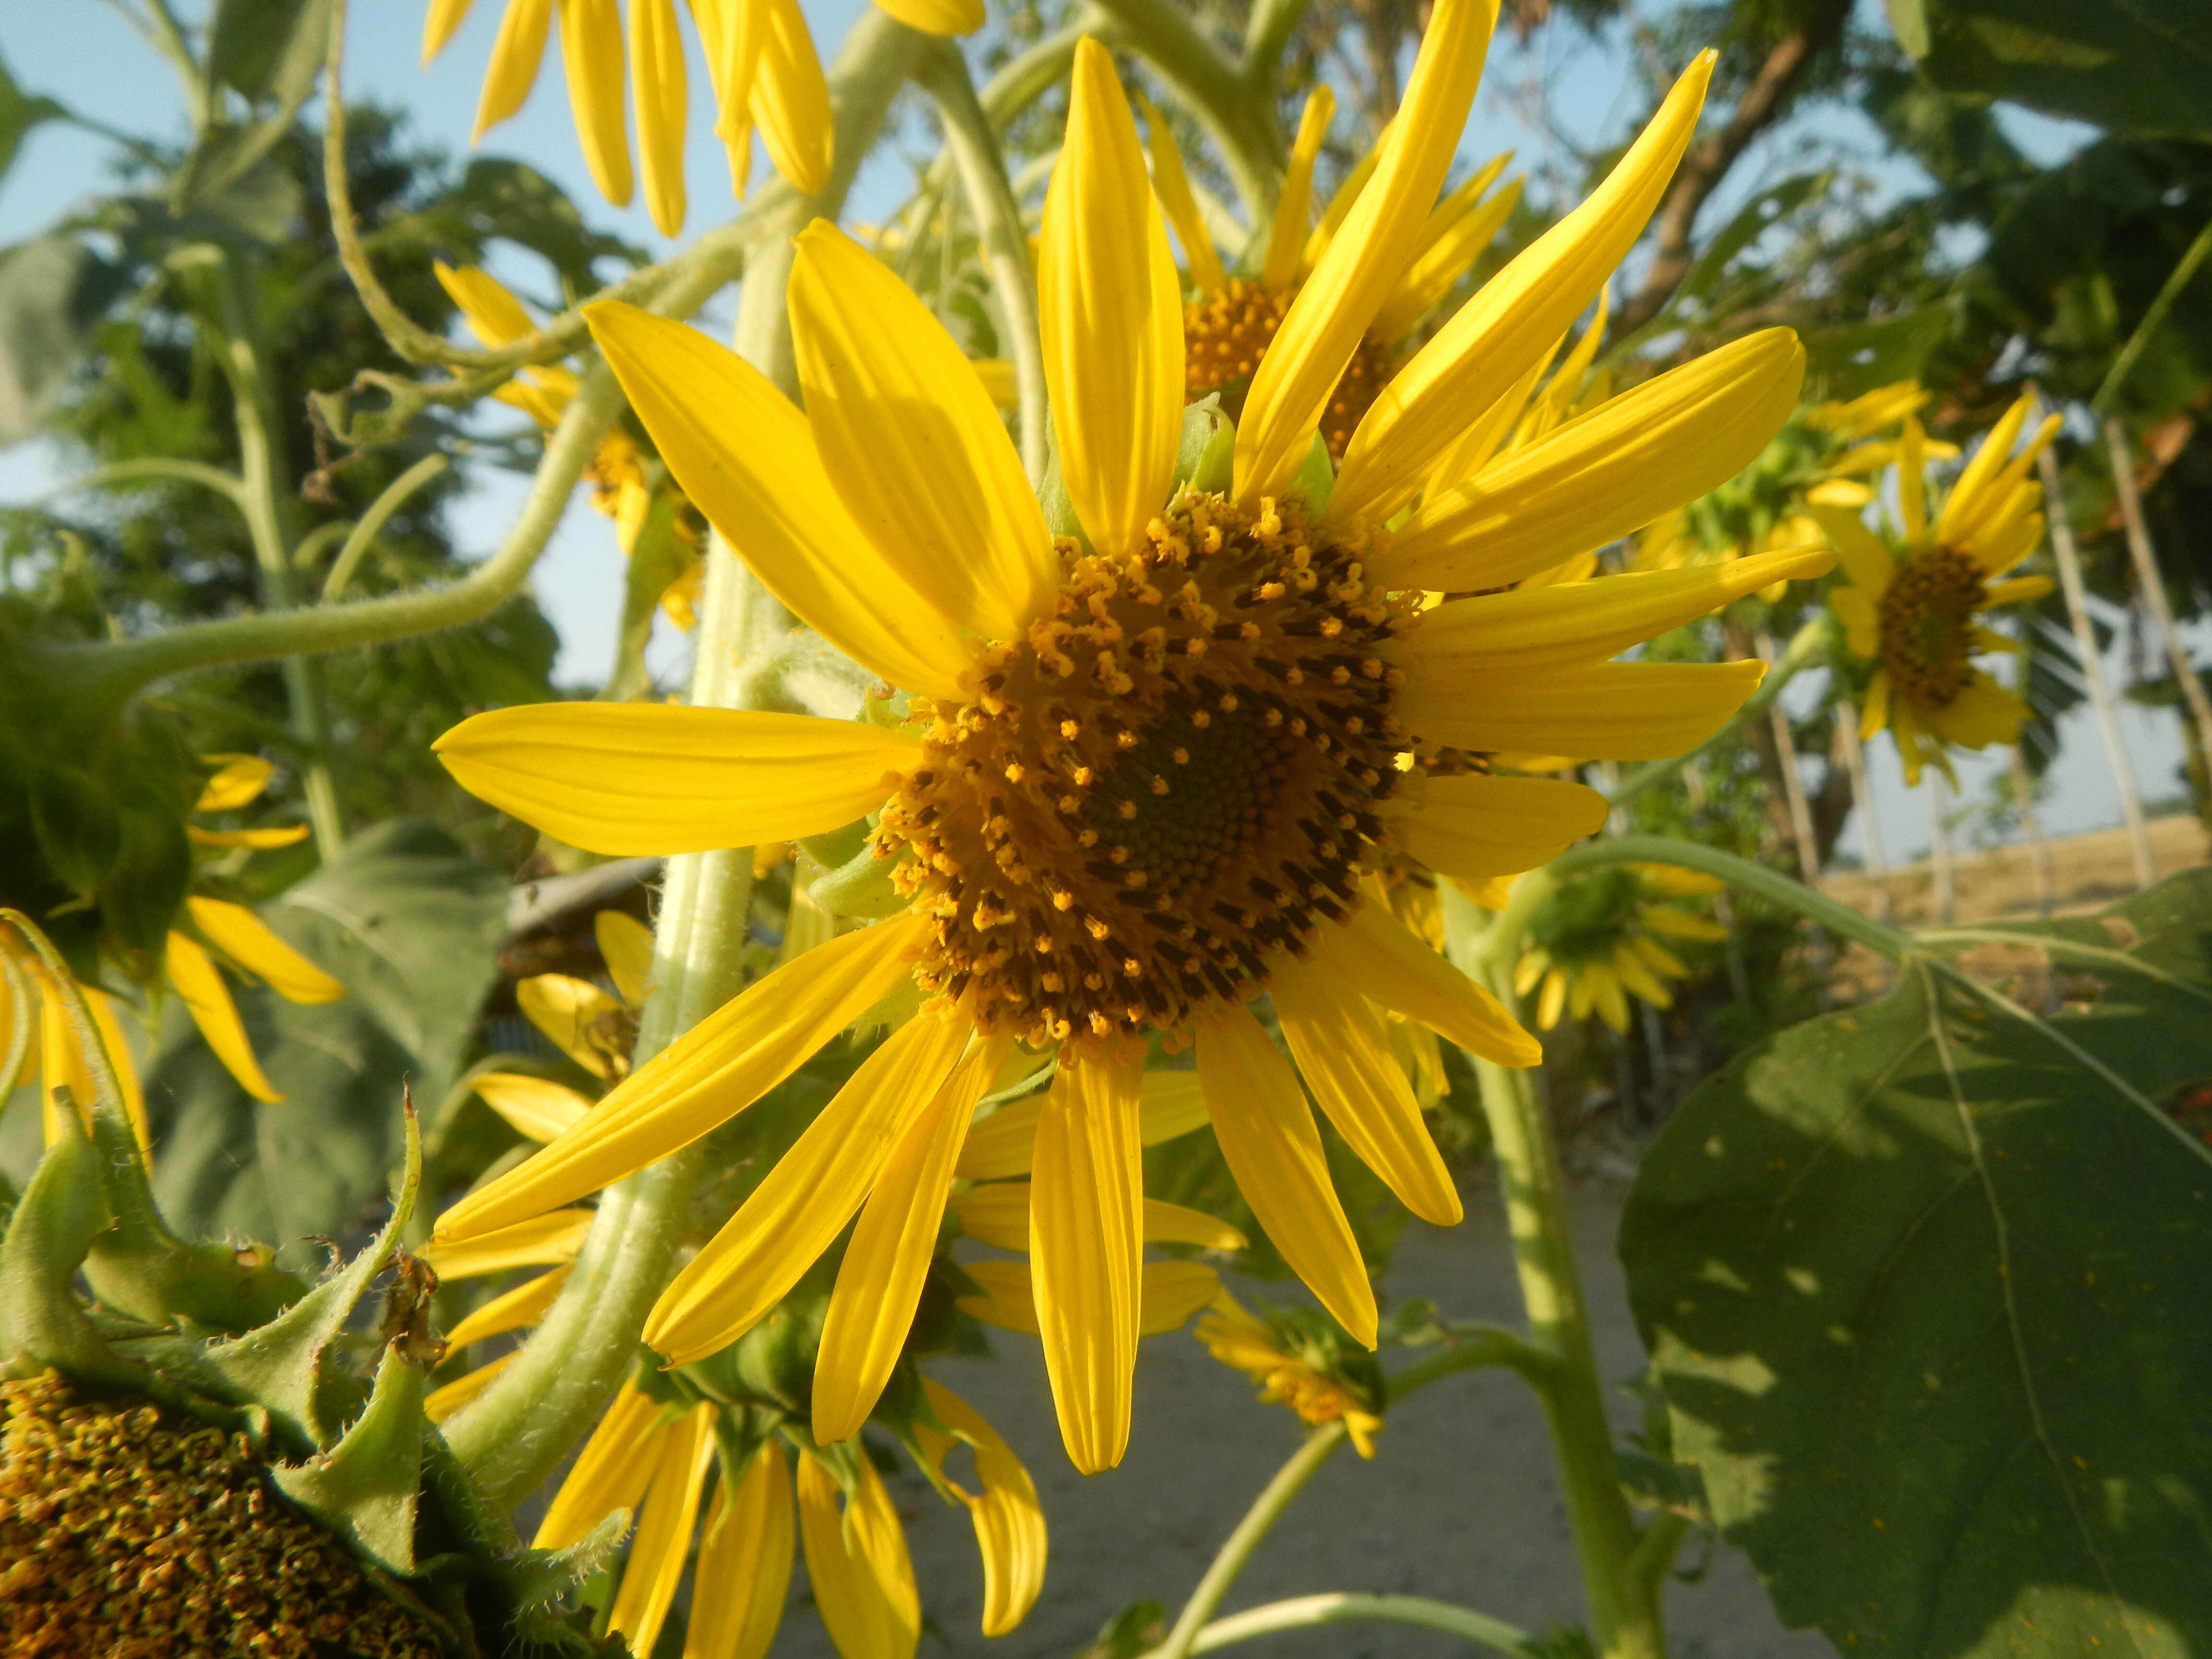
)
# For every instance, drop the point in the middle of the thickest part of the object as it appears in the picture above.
(1854, 756)
(2093, 667)
(1939, 849)
(2153, 591)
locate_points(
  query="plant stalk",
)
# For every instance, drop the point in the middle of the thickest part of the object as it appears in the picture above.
(1341, 1607)
(1808, 645)
(1251, 139)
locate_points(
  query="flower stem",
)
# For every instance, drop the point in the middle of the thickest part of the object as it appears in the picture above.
(1341, 1607)
(1258, 1521)
(1241, 118)
(974, 149)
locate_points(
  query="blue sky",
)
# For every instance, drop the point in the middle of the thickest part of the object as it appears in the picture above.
(83, 52)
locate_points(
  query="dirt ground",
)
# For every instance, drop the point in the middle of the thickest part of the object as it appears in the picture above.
(2086, 872)
(1459, 1504)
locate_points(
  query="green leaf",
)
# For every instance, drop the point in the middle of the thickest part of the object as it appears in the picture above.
(270, 49)
(1923, 1283)
(502, 200)
(19, 112)
(2144, 68)
(1843, 363)
(411, 926)
(1757, 216)
(53, 290)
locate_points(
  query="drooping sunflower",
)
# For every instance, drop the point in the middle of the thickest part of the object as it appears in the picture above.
(209, 930)
(1600, 938)
(1914, 589)
(1229, 324)
(1298, 1363)
(640, 499)
(1140, 771)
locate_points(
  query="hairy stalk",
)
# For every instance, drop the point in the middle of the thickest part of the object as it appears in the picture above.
(515, 1434)
(264, 495)
(974, 149)
(1473, 1347)
(1808, 645)
(363, 534)
(1267, 31)
(2152, 318)
(1351, 1607)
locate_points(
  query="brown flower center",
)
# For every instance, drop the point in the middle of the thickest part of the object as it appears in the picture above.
(1225, 338)
(1926, 625)
(1173, 776)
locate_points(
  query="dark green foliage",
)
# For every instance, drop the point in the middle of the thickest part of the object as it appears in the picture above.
(1923, 1283)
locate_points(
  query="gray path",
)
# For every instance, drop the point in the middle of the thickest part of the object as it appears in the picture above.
(1459, 1503)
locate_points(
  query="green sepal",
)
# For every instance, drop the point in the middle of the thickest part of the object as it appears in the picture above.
(861, 886)
(1206, 459)
(1053, 499)
(279, 1365)
(41, 1324)
(1316, 478)
(365, 1487)
(141, 1267)
(835, 847)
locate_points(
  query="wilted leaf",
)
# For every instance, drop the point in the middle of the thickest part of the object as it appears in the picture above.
(1924, 1286)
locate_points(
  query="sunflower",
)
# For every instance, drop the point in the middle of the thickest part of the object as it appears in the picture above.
(623, 487)
(1913, 592)
(667, 1440)
(1138, 772)
(1299, 1365)
(1597, 941)
(1228, 326)
(210, 930)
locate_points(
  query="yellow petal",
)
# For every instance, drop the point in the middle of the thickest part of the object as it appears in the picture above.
(1365, 258)
(663, 1540)
(1982, 714)
(1658, 956)
(1086, 1229)
(1605, 473)
(515, 55)
(911, 443)
(656, 67)
(443, 1402)
(591, 56)
(1273, 1150)
(862, 1577)
(748, 460)
(1490, 341)
(2002, 549)
(580, 1019)
(1286, 233)
(1474, 827)
(732, 36)
(1560, 622)
(1978, 514)
(1169, 1105)
(1338, 1041)
(207, 998)
(1681, 925)
(652, 777)
(1340, 204)
(63, 1063)
(494, 316)
(102, 1007)
(291, 836)
(879, 1281)
(705, 1078)
(1009, 1298)
(544, 1240)
(1550, 1003)
(1912, 482)
(1605, 995)
(999, 1214)
(626, 946)
(1865, 557)
(937, 17)
(2015, 591)
(805, 1201)
(1638, 978)
(516, 1310)
(1109, 315)
(791, 100)
(1167, 1293)
(240, 780)
(248, 941)
(1443, 262)
(438, 22)
(1172, 186)
(1606, 711)
(610, 1473)
(1009, 1530)
(744, 1563)
(537, 1107)
(1374, 953)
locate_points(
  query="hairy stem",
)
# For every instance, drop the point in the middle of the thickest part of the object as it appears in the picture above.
(974, 149)
(1244, 125)
(1347, 1608)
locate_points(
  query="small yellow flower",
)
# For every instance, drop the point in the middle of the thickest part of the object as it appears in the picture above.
(1599, 940)
(1239, 1339)
(1914, 592)
(1140, 775)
